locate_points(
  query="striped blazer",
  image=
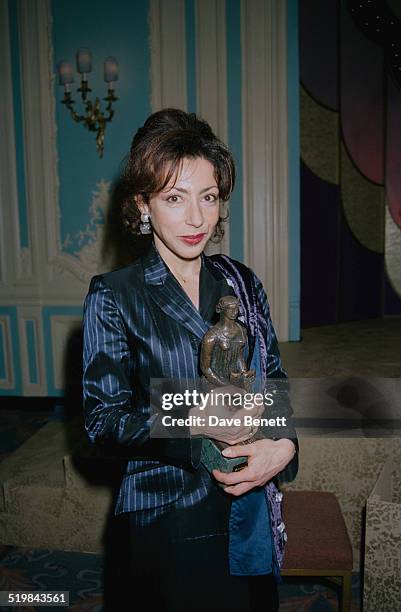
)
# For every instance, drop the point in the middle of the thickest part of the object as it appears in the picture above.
(139, 324)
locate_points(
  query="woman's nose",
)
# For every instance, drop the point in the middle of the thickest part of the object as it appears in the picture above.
(194, 214)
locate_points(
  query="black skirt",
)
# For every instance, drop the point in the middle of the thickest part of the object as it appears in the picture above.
(179, 563)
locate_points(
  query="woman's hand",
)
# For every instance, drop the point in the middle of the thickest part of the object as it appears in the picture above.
(265, 459)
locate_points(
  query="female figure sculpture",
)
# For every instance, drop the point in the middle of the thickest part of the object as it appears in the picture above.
(222, 352)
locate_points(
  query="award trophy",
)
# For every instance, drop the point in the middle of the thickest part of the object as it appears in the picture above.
(222, 363)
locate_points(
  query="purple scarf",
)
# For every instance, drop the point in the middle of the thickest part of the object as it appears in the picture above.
(252, 315)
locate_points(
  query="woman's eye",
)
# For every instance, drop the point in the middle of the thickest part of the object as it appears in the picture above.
(211, 197)
(173, 199)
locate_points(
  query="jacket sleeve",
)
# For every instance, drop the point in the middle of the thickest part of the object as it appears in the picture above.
(109, 415)
(278, 385)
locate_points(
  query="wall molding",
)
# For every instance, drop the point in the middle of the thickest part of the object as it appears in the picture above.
(211, 77)
(40, 270)
(9, 234)
(44, 272)
(212, 74)
(41, 154)
(35, 352)
(60, 326)
(8, 382)
(266, 235)
(167, 47)
(36, 113)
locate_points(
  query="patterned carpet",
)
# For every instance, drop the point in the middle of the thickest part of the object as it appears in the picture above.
(81, 574)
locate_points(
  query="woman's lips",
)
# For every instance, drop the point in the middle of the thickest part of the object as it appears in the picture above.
(193, 239)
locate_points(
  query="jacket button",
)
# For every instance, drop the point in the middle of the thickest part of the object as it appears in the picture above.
(195, 342)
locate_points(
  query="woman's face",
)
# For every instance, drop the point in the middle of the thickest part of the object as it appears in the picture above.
(184, 216)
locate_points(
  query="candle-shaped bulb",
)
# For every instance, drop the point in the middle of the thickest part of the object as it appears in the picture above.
(84, 60)
(110, 69)
(65, 73)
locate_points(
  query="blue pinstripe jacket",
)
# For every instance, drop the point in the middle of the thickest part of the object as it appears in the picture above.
(140, 324)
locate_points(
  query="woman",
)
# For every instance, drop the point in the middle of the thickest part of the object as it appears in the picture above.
(147, 321)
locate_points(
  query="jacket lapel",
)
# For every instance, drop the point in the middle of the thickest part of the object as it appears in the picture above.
(166, 292)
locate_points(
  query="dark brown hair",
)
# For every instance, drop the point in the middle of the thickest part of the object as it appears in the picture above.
(157, 151)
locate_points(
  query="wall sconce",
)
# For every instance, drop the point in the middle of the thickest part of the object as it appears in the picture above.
(94, 119)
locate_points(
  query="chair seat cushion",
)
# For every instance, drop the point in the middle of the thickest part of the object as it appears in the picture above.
(317, 534)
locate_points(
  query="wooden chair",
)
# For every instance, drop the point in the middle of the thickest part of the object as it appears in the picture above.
(318, 542)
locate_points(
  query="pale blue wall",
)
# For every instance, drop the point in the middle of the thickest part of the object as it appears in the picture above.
(120, 29)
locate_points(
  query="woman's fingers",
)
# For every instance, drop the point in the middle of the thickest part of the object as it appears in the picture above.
(240, 488)
(234, 478)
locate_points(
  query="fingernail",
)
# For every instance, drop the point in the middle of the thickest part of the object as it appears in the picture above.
(226, 452)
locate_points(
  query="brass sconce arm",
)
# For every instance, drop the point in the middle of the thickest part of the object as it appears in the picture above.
(94, 119)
